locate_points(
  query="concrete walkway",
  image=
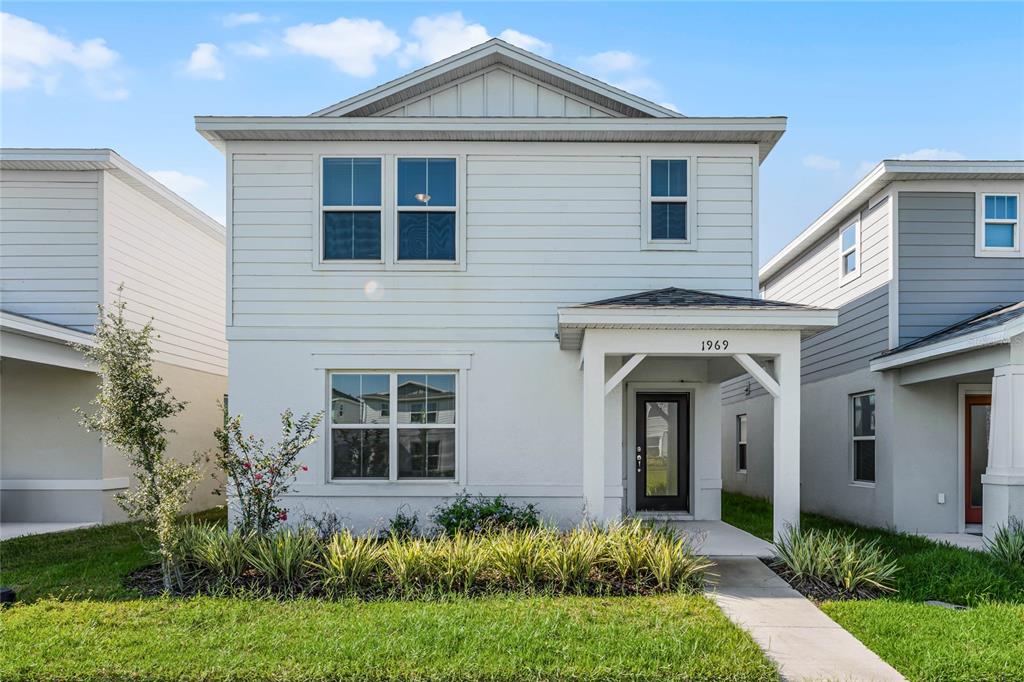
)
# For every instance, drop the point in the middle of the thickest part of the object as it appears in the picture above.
(10, 530)
(803, 642)
(962, 540)
(717, 538)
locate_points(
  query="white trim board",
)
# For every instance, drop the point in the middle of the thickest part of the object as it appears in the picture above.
(117, 483)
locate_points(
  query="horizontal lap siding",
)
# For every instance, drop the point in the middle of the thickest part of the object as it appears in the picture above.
(49, 246)
(172, 272)
(941, 280)
(543, 231)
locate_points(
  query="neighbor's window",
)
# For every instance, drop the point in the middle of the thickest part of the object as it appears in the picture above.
(426, 200)
(741, 442)
(1000, 228)
(668, 200)
(366, 437)
(351, 199)
(848, 256)
(863, 437)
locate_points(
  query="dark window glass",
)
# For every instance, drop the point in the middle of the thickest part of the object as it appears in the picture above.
(426, 235)
(741, 457)
(351, 182)
(864, 415)
(668, 220)
(864, 460)
(849, 262)
(668, 178)
(359, 453)
(351, 235)
(426, 453)
(426, 182)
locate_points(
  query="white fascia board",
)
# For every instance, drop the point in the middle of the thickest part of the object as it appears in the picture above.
(47, 331)
(968, 342)
(886, 172)
(813, 320)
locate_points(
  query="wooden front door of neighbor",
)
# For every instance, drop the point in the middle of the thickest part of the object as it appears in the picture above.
(977, 416)
(662, 451)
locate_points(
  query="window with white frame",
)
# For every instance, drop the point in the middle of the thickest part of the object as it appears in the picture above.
(849, 246)
(427, 203)
(741, 442)
(393, 425)
(668, 197)
(350, 197)
(999, 231)
(863, 415)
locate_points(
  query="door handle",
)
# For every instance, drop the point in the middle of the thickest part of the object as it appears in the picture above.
(639, 462)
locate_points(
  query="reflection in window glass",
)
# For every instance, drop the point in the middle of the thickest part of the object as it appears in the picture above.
(662, 457)
(359, 453)
(426, 182)
(668, 220)
(351, 182)
(426, 398)
(359, 399)
(351, 235)
(426, 453)
(668, 178)
(426, 235)
(864, 437)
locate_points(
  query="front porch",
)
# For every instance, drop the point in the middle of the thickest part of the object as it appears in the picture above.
(652, 367)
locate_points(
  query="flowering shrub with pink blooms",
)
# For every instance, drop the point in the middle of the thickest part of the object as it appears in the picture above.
(257, 476)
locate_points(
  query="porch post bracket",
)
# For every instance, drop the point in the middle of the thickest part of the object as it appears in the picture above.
(623, 371)
(758, 372)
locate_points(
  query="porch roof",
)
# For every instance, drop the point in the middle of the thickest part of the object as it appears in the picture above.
(674, 308)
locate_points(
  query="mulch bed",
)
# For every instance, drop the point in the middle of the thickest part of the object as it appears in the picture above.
(819, 590)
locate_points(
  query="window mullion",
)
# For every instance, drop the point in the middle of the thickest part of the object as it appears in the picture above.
(393, 427)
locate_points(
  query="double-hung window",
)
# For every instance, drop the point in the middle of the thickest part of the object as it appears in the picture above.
(427, 209)
(863, 412)
(999, 229)
(351, 200)
(849, 247)
(741, 442)
(393, 425)
(669, 199)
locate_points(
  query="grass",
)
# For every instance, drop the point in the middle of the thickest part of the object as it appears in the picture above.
(985, 642)
(80, 623)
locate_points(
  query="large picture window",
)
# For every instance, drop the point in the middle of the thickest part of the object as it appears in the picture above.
(863, 410)
(427, 209)
(351, 198)
(393, 425)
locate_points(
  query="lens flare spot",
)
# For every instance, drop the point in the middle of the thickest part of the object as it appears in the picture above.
(373, 290)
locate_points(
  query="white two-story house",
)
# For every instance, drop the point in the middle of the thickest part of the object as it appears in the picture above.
(499, 275)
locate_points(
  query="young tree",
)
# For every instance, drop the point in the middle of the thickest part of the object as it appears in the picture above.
(258, 476)
(131, 410)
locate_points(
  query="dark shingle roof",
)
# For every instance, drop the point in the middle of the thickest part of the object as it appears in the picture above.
(987, 320)
(672, 297)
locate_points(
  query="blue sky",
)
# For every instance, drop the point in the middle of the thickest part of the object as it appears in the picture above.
(859, 82)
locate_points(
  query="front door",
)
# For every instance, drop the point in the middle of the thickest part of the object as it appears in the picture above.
(662, 451)
(978, 414)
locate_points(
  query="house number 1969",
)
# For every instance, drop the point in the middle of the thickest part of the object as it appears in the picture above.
(714, 344)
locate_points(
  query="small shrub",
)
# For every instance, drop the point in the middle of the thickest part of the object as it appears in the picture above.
(457, 562)
(836, 561)
(518, 557)
(217, 550)
(673, 565)
(404, 524)
(465, 514)
(570, 560)
(627, 549)
(283, 558)
(408, 563)
(1007, 544)
(349, 563)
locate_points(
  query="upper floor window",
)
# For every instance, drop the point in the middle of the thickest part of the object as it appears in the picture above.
(668, 199)
(351, 203)
(998, 231)
(427, 208)
(863, 411)
(849, 251)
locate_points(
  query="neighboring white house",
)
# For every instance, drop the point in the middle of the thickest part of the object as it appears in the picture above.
(75, 224)
(913, 406)
(499, 275)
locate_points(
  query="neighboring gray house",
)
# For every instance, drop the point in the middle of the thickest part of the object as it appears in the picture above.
(75, 224)
(913, 407)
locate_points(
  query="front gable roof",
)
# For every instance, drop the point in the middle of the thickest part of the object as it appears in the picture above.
(496, 54)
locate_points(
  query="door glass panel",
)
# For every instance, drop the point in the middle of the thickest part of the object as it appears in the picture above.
(980, 416)
(662, 461)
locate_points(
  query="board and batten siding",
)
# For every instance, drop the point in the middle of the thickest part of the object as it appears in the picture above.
(172, 272)
(543, 230)
(49, 246)
(941, 282)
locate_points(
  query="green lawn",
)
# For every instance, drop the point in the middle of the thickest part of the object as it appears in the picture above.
(80, 623)
(925, 642)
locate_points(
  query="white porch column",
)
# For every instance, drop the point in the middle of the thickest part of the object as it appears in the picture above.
(1003, 480)
(786, 460)
(593, 431)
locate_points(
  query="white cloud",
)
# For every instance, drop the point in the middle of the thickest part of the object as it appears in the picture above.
(626, 71)
(442, 36)
(250, 49)
(669, 105)
(31, 56)
(195, 190)
(932, 154)
(864, 168)
(352, 45)
(204, 62)
(614, 61)
(822, 163)
(244, 18)
(527, 42)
